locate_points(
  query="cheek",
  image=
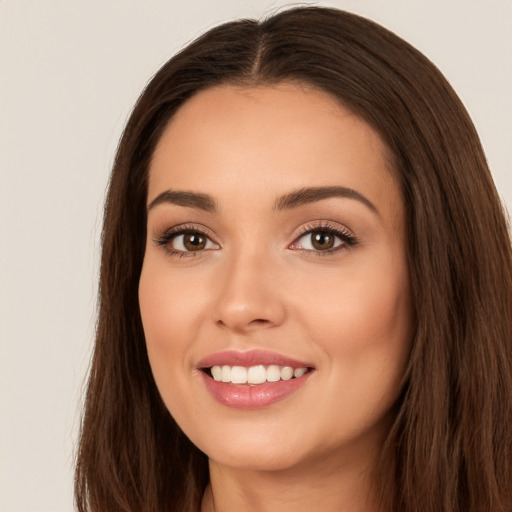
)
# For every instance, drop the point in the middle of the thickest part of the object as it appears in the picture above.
(169, 312)
(364, 331)
(170, 305)
(361, 305)
(362, 321)
(167, 326)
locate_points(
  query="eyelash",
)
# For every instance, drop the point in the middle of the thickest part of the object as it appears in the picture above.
(344, 234)
(347, 238)
(172, 233)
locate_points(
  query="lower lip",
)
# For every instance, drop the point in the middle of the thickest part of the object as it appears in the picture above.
(246, 396)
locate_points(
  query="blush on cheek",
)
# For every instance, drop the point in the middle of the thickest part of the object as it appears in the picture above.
(364, 329)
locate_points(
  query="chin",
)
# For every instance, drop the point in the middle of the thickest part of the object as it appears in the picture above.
(256, 459)
(258, 449)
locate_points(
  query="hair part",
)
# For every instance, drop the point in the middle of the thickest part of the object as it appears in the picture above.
(450, 447)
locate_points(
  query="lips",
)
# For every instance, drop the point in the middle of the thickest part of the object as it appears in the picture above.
(250, 358)
(253, 379)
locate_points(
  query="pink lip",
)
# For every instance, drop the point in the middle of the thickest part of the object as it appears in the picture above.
(247, 396)
(250, 358)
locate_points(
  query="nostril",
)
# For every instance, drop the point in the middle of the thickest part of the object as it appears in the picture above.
(242, 326)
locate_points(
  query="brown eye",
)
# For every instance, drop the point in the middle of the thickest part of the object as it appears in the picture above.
(322, 240)
(194, 241)
(190, 241)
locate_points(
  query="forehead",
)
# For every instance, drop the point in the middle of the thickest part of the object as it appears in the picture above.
(266, 140)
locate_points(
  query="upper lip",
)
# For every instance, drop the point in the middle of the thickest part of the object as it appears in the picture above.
(250, 358)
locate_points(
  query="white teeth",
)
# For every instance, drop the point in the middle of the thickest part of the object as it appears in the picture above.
(299, 372)
(226, 373)
(217, 372)
(255, 374)
(238, 375)
(273, 373)
(286, 373)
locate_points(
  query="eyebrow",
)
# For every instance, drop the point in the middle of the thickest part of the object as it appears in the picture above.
(289, 201)
(185, 198)
(309, 195)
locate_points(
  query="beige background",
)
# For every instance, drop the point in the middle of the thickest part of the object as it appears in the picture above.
(69, 73)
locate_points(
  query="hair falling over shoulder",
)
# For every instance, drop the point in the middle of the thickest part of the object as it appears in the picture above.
(450, 446)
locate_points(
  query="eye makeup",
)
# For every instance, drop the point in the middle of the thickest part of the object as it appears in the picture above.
(186, 240)
(325, 238)
(322, 238)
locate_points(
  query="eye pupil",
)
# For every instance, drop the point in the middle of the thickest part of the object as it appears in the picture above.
(194, 241)
(322, 240)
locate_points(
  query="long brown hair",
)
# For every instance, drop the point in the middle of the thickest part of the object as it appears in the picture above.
(450, 447)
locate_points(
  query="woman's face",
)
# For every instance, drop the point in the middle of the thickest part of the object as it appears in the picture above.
(275, 247)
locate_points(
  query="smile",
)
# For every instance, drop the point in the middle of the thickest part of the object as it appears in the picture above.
(254, 379)
(255, 374)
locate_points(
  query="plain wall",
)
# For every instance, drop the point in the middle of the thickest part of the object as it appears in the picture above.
(70, 72)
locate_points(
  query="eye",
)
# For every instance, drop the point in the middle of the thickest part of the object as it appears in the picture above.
(319, 241)
(184, 240)
(324, 240)
(191, 241)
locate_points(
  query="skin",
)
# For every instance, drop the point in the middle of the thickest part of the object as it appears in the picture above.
(260, 284)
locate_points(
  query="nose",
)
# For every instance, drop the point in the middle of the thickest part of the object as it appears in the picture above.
(249, 296)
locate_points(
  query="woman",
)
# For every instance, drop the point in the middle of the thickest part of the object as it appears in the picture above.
(306, 283)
